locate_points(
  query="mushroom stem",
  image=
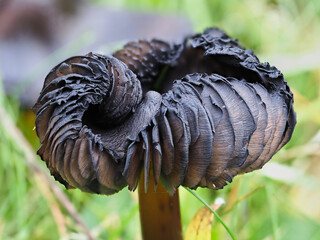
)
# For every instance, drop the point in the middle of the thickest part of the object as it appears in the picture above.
(159, 212)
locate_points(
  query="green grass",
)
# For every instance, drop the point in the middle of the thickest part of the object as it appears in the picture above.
(258, 205)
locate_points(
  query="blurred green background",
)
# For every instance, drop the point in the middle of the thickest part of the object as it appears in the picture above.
(281, 201)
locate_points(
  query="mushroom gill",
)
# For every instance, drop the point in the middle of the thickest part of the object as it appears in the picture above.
(218, 112)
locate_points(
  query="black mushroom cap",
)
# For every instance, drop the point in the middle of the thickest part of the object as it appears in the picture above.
(216, 112)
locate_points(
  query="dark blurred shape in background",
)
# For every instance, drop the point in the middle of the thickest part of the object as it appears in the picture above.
(33, 35)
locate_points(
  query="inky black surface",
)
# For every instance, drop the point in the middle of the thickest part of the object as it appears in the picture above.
(196, 113)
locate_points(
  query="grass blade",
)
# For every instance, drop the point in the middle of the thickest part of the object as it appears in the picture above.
(214, 212)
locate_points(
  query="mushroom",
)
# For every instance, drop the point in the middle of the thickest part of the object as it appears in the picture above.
(194, 114)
